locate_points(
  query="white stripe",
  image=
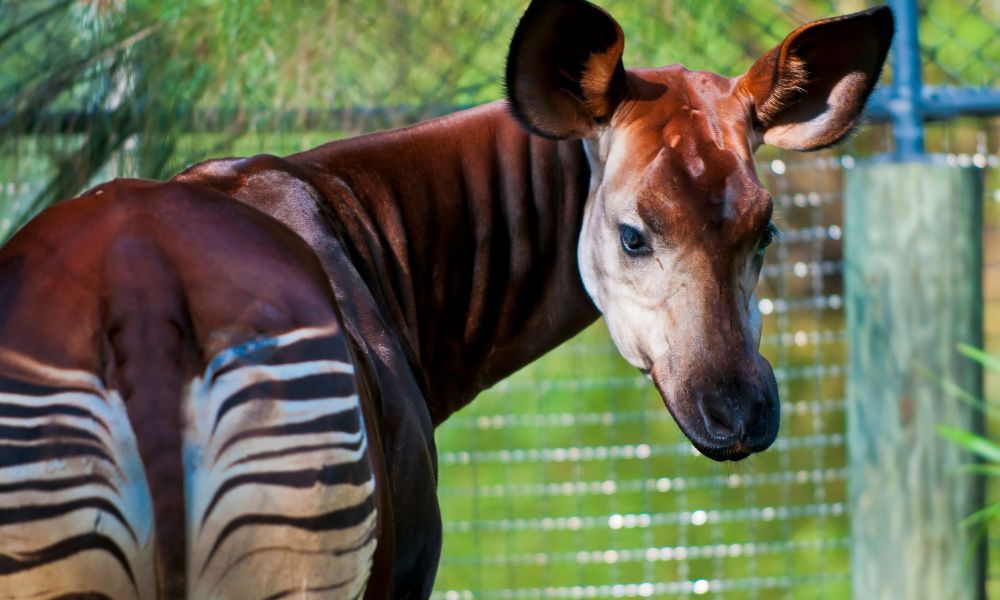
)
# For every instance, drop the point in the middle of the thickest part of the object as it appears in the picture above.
(266, 559)
(224, 358)
(129, 493)
(277, 445)
(282, 372)
(53, 376)
(263, 413)
(214, 478)
(237, 380)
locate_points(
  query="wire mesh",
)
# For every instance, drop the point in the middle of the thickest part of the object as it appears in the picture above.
(959, 42)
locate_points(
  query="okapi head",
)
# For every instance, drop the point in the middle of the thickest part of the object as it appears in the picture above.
(677, 221)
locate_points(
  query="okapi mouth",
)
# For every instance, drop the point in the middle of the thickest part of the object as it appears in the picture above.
(728, 420)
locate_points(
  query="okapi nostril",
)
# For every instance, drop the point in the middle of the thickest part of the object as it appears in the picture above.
(716, 421)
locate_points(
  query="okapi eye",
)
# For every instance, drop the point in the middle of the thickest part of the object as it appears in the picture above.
(632, 241)
(770, 234)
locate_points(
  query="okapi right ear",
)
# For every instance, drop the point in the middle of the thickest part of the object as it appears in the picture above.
(807, 93)
(564, 69)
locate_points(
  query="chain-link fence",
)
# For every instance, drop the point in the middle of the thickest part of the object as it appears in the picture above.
(570, 479)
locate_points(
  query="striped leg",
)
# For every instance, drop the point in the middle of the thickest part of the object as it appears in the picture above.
(279, 482)
(75, 508)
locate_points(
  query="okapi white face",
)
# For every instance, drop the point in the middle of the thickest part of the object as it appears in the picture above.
(677, 221)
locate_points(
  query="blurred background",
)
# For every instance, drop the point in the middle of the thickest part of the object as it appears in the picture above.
(570, 479)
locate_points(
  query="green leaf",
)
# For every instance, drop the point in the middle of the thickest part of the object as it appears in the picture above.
(976, 444)
(986, 360)
(988, 470)
(982, 515)
(953, 389)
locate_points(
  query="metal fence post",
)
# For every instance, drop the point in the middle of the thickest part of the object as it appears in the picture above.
(907, 87)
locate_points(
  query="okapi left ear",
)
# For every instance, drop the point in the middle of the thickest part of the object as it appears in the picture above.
(564, 69)
(808, 92)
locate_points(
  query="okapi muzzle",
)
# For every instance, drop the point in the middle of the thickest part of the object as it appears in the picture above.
(712, 378)
(677, 222)
(728, 408)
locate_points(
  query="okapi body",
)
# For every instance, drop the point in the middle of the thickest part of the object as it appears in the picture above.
(226, 385)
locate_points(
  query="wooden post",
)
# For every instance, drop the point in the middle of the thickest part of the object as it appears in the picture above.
(913, 287)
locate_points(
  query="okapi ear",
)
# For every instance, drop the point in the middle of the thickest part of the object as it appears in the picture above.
(564, 68)
(808, 92)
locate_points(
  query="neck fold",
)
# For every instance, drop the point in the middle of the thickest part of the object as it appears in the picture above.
(465, 228)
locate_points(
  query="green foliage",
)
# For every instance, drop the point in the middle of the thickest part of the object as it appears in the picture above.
(989, 362)
(985, 450)
(976, 444)
(137, 81)
(80, 59)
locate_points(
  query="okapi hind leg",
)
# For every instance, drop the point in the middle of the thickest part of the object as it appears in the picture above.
(75, 508)
(188, 420)
(281, 489)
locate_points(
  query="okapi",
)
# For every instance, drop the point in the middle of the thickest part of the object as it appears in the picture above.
(226, 385)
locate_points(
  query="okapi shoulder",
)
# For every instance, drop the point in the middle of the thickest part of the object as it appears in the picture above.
(243, 176)
(270, 184)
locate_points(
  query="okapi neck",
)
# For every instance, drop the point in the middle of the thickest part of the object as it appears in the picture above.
(466, 229)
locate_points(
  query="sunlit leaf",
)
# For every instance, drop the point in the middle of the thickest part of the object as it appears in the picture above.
(982, 515)
(955, 390)
(986, 360)
(988, 470)
(976, 444)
